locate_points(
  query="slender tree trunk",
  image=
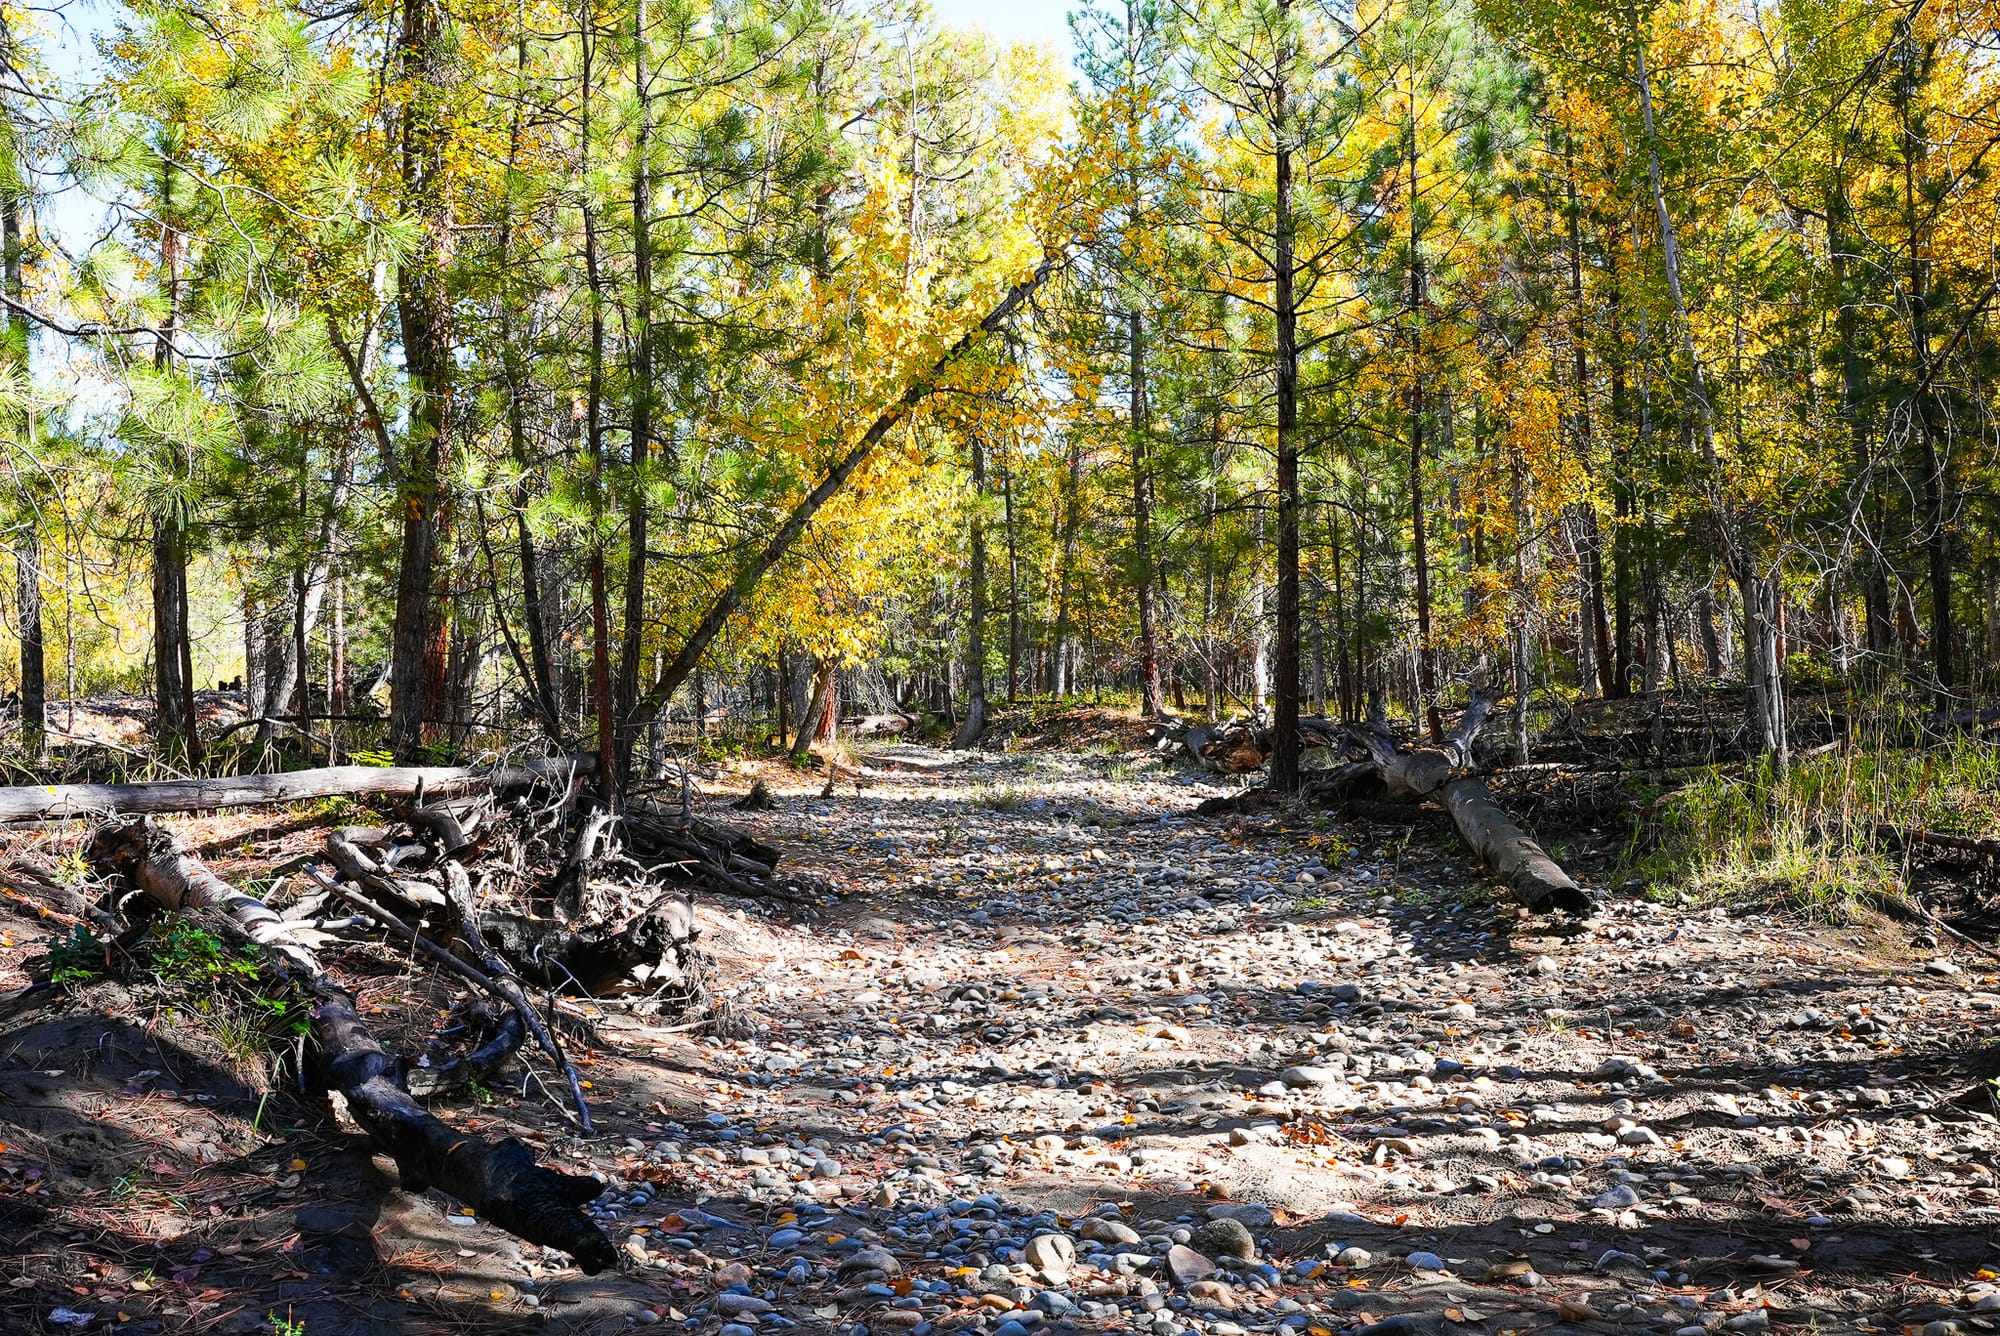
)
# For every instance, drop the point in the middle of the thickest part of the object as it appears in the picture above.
(1013, 586)
(176, 726)
(1285, 724)
(542, 686)
(1211, 674)
(1517, 622)
(1142, 522)
(336, 668)
(1877, 633)
(1419, 521)
(644, 391)
(609, 779)
(255, 705)
(1935, 530)
(311, 587)
(28, 542)
(975, 631)
(1593, 547)
(1766, 698)
(1622, 499)
(420, 636)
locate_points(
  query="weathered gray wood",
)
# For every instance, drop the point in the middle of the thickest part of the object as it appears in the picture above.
(68, 802)
(1513, 855)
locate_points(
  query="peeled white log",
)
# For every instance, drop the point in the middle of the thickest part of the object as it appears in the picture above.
(65, 802)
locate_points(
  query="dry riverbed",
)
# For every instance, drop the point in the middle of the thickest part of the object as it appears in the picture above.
(1065, 1056)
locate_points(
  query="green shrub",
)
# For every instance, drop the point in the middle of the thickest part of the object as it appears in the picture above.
(77, 958)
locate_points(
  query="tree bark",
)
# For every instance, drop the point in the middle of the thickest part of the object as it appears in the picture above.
(419, 635)
(175, 725)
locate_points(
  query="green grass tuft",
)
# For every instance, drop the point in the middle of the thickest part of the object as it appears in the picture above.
(1809, 839)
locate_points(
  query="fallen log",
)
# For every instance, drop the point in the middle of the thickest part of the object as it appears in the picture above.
(1906, 835)
(1417, 773)
(879, 725)
(499, 1179)
(1535, 878)
(1414, 774)
(68, 802)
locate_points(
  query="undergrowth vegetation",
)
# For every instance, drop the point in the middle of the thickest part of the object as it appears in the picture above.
(1821, 836)
(218, 985)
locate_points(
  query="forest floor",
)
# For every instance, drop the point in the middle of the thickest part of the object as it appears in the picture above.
(1065, 1056)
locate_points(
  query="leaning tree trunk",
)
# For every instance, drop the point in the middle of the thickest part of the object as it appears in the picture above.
(498, 1179)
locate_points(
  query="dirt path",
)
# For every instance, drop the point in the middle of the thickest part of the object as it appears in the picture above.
(1067, 1058)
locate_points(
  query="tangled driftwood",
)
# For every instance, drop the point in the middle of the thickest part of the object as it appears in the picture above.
(516, 881)
(499, 1179)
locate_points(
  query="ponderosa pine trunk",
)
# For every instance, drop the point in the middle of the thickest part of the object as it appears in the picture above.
(176, 727)
(1285, 722)
(420, 633)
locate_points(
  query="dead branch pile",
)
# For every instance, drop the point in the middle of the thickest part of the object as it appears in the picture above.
(501, 1180)
(522, 896)
(1238, 746)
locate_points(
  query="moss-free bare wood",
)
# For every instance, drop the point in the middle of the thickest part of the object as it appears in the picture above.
(62, 802)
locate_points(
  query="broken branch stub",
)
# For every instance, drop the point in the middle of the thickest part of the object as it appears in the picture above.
(499, 1179)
